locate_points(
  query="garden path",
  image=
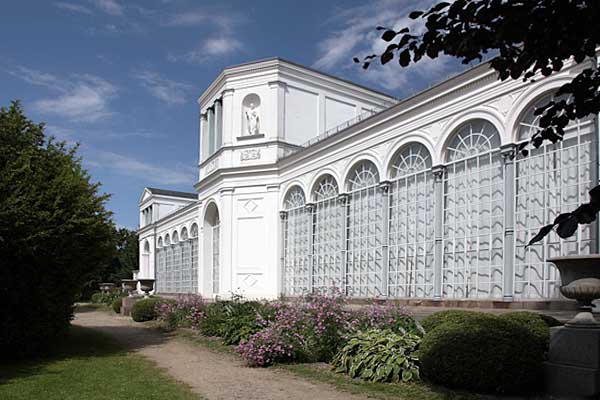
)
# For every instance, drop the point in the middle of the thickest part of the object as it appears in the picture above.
(211, 374)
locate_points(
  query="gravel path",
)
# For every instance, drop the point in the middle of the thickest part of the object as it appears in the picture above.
(211, 374)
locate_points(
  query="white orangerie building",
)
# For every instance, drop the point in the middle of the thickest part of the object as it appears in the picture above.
(309, 182)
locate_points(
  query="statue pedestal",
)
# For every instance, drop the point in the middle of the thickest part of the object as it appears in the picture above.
(127, 304)
(573, 366)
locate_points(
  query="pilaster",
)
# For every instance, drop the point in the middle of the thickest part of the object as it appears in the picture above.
(384, 187)
(310, 211)
(508, 153)
(226, 242)
(227, 96)
(218, 124)
(343, 201)
(278, 89)
(438, 204)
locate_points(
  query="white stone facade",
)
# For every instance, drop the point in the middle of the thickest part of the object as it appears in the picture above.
(308, 182)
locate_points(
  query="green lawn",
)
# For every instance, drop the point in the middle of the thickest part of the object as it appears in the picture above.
(89, 366)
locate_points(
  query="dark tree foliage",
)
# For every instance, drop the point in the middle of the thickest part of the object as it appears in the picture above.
(125, 260)
(532, 39)
(54, 233)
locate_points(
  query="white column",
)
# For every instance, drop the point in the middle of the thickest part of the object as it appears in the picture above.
(218, 124)
(226, 242)
(508, 154)
(211, 130)
(227, 96)
(203, 153)
(277, 127)
(438, 205)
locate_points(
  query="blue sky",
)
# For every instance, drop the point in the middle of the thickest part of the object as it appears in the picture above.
(121, 78)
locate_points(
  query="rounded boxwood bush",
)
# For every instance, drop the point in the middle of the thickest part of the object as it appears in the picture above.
(532, 321)
(485, 354)
(116, 304)
(97, 298)
(144, 310)
(434, 320)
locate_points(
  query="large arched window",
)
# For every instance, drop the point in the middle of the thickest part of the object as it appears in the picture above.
(411, 227)
(327, 236)
(552, 179)
(473, 213)
(194, 250)
(186, 262)
(296, 236)
(177, 264)
(365, 221)
(212, 246)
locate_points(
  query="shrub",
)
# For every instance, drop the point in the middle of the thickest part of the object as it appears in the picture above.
(97, 298)
(213, 319)
(380, 356)
(531, 321)
(243, 319)
(144, 310)
(434, 320)
(186, 311)
(388, 316)
(483, 354)
(55, 234)
(116, 304)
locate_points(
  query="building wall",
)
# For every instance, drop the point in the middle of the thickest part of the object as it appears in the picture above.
(353, 239)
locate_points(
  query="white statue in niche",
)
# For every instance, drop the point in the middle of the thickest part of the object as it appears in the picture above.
(252, 120)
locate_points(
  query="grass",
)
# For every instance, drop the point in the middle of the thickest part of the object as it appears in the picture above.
(89, 365)
(322, 373)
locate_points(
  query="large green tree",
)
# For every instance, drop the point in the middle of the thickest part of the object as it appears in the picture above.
(55, 232)
(530, 39)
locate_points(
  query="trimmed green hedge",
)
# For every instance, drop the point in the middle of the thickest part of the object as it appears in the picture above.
(534, 322)
(144, 310)
(484, 354)
(432, 321)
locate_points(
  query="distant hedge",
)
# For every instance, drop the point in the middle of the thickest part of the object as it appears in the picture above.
(145, 310)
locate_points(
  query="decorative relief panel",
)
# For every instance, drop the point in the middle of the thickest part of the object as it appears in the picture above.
(250, 154)
(211, 166)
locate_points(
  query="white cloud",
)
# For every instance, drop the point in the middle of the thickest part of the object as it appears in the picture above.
(164, 89)
(78, 8)
(80, 97)
(355, 35)
(211, 47)
(192, 18)
(111, 7)
(85, 100)
(129, 166)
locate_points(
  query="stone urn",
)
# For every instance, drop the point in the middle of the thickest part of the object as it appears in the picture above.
(147, 285)
(106, 287)
(129, 285)
(580, 278)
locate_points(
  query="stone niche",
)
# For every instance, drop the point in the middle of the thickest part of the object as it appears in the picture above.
(251, 116)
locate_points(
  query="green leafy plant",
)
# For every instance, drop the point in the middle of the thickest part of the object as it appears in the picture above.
(380, 356)
(145, 310)
(116, 304)
(241, 320)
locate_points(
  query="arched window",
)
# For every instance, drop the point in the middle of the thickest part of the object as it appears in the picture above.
(411, 228)
(327, 237)
(175, 237)
(550, 180)
(160, 242)
(194, 230)
(167, 240)
(473, 213)
(296, 242)
(184, 234)
(365, 235)
(212, 246)
(146, 247)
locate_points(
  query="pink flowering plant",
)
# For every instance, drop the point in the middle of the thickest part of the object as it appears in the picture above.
(385, 316)
(185, 311)
(310, 329)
